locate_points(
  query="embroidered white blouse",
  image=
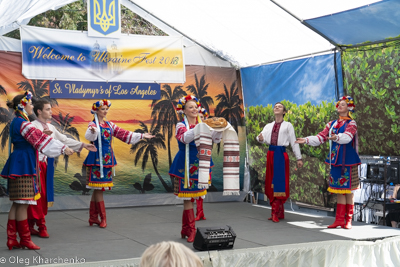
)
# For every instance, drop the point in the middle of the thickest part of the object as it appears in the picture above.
(69, 142)
(124, 135)
(286, 136)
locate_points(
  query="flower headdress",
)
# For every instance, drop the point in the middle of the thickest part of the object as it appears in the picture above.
(204, 112)
(99, 104)
(182, 102)
(350, 104)
(24, 101)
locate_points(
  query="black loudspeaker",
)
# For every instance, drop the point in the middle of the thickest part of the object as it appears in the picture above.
(393, 175)
(375, 171)
(209, 238)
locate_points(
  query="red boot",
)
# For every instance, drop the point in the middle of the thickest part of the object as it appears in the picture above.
(93, 214)
(199, 210)
(102, 210)
(281, 213)
(185, 232)
(272, 210)
(31, 223)
(12, 241)
(339, 221)
(191, 225)
(25, 235)
(41, 223)
(349, 215)
(275, 210)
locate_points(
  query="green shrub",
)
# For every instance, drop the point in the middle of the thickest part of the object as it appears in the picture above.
(372, 78)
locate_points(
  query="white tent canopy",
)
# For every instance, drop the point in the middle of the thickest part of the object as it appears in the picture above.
(14, 13)
(9, 21)
(243, 32)
(10, 44)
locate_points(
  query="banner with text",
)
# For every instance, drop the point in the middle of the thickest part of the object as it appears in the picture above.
(100, 90)
(49, 54)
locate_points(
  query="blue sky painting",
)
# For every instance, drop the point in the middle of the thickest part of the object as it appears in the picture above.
(298, 81)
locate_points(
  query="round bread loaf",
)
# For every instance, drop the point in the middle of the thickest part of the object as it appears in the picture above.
(216, 122)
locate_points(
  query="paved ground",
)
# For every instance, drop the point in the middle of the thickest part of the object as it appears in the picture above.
(131, 230)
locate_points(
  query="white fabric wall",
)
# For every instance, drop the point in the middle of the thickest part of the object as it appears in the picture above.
(10, 44)
(333, 253)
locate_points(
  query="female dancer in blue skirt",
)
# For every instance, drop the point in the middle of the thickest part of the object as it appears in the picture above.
(21, 169)
(343, 159)
(99, 164)
(189, 188)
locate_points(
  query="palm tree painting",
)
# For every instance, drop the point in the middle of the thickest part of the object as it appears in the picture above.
(6, 116)
(63, 125)
(164, 114)
(80, 184)
(230, 106)
(39, 89)
(3, 191)
(147, 185)
(2, 90)
(200, 91)
(146, 148)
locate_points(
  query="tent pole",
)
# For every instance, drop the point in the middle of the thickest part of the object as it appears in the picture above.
(308, 25)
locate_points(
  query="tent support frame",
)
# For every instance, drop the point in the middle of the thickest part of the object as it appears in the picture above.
(308, 25)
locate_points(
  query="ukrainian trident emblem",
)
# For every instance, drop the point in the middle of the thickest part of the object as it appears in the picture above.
(104, 16)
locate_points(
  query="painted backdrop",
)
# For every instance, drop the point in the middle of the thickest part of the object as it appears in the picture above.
(216, 87)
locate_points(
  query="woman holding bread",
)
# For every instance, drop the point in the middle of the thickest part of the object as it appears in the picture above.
(278, 135)
(187, 188)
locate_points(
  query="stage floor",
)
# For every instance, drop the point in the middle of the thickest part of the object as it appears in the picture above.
(131, 230)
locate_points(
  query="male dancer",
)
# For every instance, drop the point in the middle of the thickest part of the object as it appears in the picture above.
(278, 135)
(37, 213)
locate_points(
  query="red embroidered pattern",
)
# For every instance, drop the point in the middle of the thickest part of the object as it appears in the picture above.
(120, 133)
(34, 136)
(275, 133)
(181, 130)
(351, 130)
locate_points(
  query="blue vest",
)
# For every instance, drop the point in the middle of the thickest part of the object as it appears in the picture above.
(93, 158)
(342, 154)
(178, 165)
(22, 161)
